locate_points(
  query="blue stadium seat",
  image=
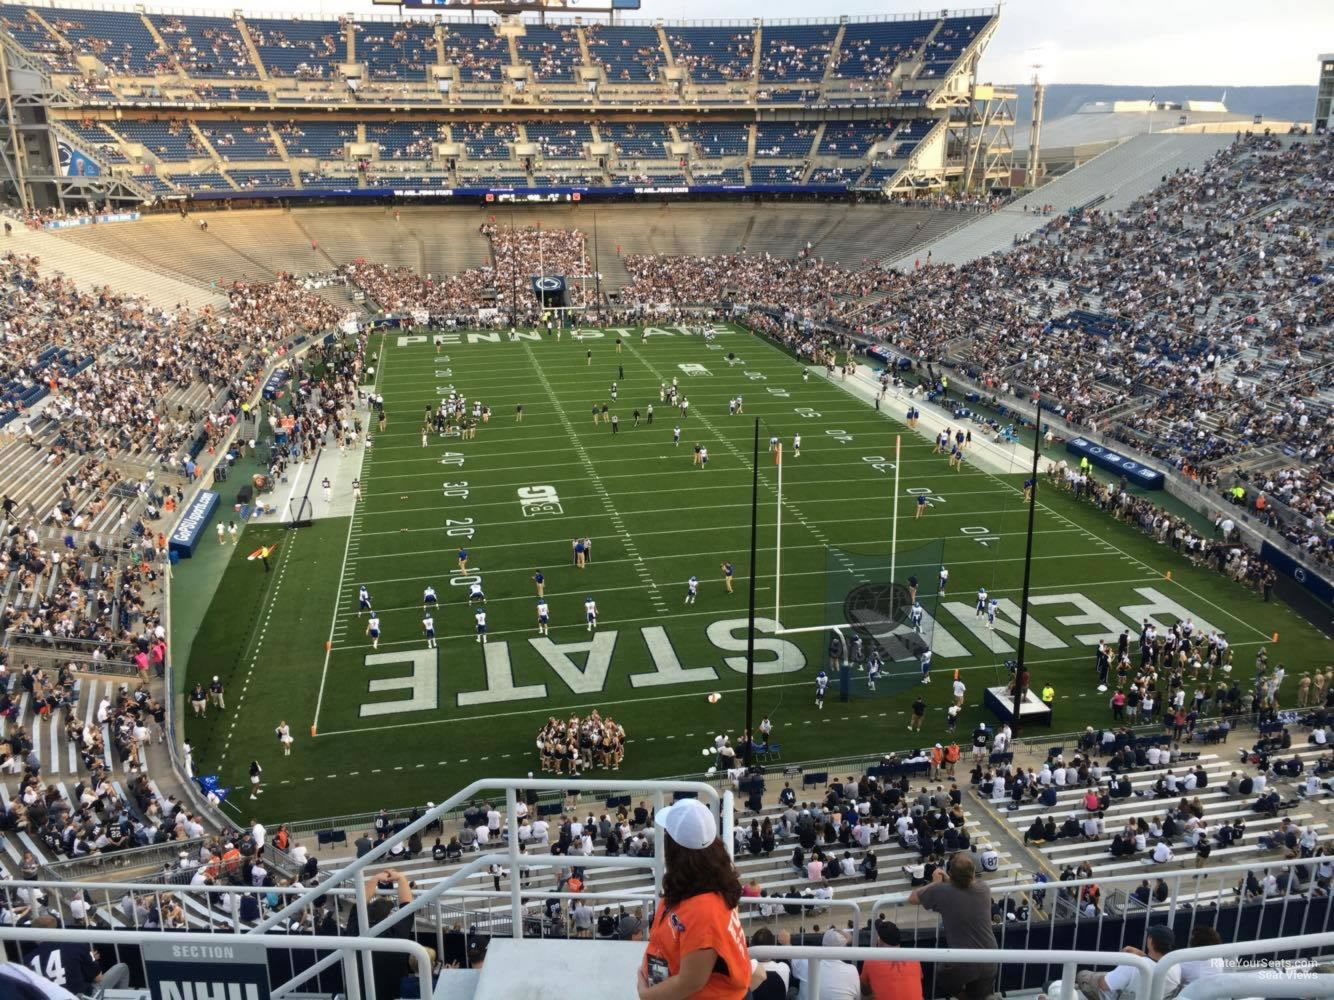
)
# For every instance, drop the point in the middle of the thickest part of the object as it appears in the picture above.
(560, 141)
(306, 50)
(170, 141)
(206, 46)
(396, 50)
(551, 50)
(712, 55)
(118, 38)
(261, 179)
(628, 53)
(783, 139)
(486, 140)
(795, 52)
(636, 140)
(871, 49)
(30, 33)
(240, 140)
(721, 139)
(477, 50)
(852, 138)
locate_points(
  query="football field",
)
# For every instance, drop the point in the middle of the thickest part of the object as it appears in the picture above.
(404, 723)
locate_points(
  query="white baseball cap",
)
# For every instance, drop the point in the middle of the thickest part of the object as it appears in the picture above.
(689, 823)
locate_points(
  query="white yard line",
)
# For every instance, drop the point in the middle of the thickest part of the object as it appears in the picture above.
(655, 596)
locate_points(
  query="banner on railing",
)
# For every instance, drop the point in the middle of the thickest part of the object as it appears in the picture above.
(519, 194)
(1114, 461)
(190, 528)
(1289, 566)
(89, 220)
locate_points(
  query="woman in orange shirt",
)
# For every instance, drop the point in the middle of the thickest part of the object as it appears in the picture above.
(696, 947)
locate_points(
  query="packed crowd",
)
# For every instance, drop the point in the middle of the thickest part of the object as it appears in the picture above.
(95, 819)
(516, 254)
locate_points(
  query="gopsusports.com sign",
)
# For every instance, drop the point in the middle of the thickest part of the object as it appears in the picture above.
(1134, 471)
(190, 528)
(206, 971)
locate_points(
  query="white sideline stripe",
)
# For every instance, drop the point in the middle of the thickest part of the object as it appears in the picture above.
(342, 575)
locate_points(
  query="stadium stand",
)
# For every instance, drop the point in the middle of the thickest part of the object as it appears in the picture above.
(206, 46)
(712, 55)
(627, 53)
(783, 140)
(551, 50)
(170, 141)
(477, 50)
(304, 50)
(1171, 293)
(565, 141)
(871, 50)
(395, 50)
(24, 24)
(241, 140)
(120, 40)
(795, 52)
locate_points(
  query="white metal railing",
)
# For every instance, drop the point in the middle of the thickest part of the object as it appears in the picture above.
(345, 949)
(1274, 984)
(720, 806)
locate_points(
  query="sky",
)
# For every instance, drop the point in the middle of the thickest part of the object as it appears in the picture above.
(1128, 42)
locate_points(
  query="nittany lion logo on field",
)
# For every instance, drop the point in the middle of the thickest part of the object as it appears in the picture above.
(876, 611)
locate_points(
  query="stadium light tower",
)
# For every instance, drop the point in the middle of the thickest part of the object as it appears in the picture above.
(1035, 130)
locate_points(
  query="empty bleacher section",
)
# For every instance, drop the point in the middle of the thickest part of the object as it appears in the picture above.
(487, 140)
(847, 139)
(25, 25)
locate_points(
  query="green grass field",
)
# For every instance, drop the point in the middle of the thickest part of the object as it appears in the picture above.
(406, 724)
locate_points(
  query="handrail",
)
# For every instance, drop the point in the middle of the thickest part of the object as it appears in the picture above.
(1287, 983)
(817, 956)
(720, 807)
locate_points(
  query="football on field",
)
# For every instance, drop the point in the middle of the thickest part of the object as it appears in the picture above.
(714, 698)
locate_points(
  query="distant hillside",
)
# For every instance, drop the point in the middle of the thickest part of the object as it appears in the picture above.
(1275, 103)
